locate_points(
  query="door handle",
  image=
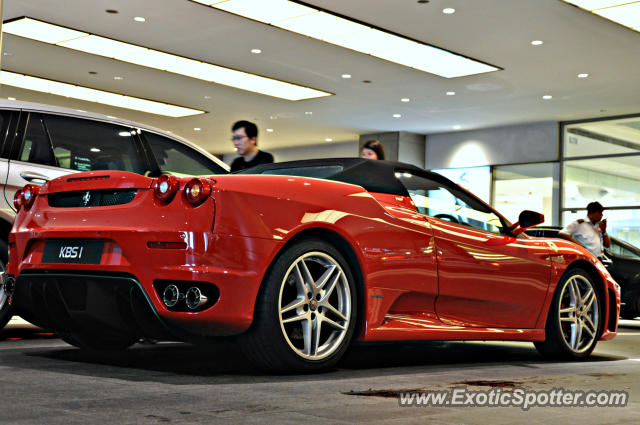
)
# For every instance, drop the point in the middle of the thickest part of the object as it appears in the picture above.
(31, 176)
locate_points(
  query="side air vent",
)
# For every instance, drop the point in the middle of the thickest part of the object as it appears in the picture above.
(91, 198)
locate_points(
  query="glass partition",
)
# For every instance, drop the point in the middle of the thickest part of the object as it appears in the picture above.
(526, 187)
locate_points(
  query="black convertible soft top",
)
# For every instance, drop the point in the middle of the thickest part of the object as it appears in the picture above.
(374, 176)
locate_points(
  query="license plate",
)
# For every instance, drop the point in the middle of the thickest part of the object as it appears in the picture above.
(74, 251)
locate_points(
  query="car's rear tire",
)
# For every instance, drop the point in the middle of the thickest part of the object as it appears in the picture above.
(574, 323)
(6, 312)
(306, 311)
(98, 342)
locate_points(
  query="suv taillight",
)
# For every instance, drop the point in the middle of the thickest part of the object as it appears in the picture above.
(197, 191)
(165, 187)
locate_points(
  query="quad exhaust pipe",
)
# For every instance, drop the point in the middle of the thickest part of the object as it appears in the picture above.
(193, 298)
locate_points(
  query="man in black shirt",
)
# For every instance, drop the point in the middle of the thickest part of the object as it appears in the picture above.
(245, 139)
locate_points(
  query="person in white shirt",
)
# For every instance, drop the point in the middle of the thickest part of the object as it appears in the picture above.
(590, 232)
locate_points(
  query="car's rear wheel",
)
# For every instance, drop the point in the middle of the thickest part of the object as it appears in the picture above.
(98, 342)
(574, 323)
(6, 312)
(306, 312)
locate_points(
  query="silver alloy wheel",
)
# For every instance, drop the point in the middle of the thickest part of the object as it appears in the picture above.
(314, 305)
(579, 313)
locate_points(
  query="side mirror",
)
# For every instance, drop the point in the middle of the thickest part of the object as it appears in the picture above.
(526, 219)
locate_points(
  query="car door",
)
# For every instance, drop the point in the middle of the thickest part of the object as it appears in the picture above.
(486, 277)
(32, 160)
(8, 124)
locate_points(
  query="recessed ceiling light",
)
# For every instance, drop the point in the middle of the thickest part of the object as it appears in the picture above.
(325, 26)
(11, 98)
(94, 150)
(457, 127)
(273, 117)
(117, 77)
(346, 76)
(451, 93)
(547, 97)
(256, 51)
(269, 130)
(308, 113)
(583, 75)
(196, 129)
(139, 19)
(397, 116)
(537, 42)
(138, 55)
(405, 100)
(92, 95)
(207, 97)
(328, 140)
(448, 11)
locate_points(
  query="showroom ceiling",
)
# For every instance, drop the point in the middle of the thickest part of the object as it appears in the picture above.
(494, 32)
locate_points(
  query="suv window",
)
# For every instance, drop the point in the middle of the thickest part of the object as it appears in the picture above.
(176, 158)
(36, 145)
(80, 144)
(449, 203)
(619, 249)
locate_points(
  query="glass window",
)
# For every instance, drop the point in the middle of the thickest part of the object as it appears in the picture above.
(604, 137)
(176, 158)
(85, 145)
(448, 203)
(476, 180)
(610, 181)
(36, 145)
(621, 224)
(526, 187)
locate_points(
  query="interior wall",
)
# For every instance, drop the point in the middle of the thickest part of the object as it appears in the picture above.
(535, 142)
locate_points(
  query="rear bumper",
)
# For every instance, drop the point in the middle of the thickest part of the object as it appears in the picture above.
(89, 304)
(123, 294)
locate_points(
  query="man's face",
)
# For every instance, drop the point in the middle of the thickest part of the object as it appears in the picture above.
(241, 142)
(595, 216)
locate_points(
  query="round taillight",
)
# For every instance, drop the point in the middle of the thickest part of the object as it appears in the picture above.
(165, 187)
(29, 193)
(197, 191)
(18, 200)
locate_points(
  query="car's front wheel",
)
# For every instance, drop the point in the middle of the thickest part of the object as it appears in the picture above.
(574, 323)
(306, 312)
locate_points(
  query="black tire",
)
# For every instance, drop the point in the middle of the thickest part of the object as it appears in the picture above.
(6, 312)
(285, 313)
(576, 336)
(631, 308)
(98, 342)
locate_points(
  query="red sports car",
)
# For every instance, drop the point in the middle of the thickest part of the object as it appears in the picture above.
(297, 260)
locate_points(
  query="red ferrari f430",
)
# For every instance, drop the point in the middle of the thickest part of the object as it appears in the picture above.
(296, 261)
